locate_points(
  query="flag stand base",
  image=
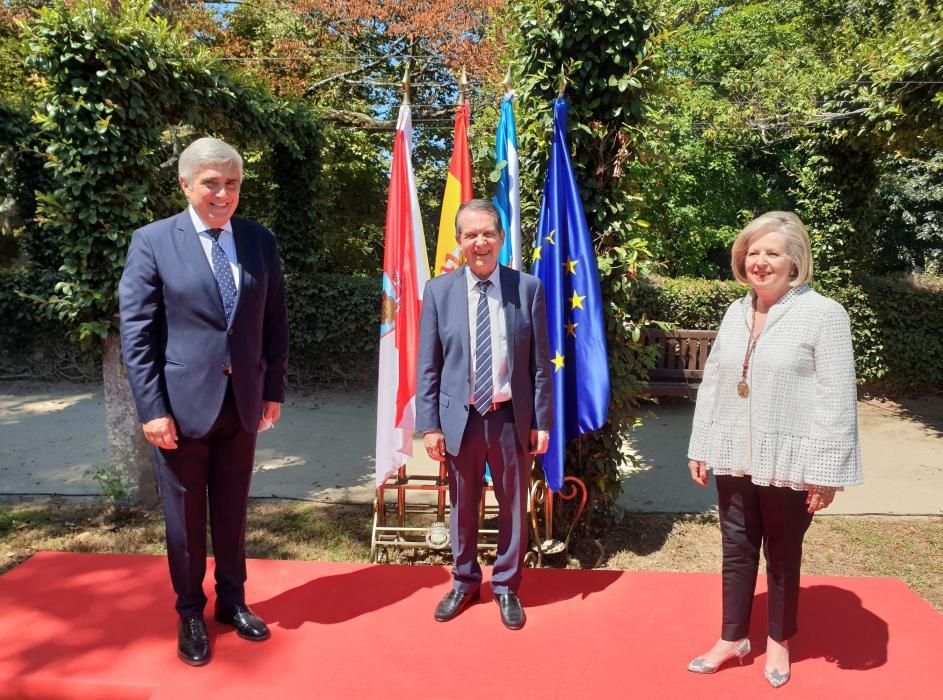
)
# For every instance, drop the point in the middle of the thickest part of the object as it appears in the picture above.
(541, 512)
(401, 524)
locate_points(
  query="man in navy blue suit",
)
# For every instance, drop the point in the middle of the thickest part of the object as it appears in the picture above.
(204, 332)
(484, 394)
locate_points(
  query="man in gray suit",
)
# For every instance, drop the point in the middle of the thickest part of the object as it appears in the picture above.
(484, 394)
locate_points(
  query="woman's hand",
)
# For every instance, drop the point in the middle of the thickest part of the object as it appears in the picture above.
(698, 470)
(819, 497)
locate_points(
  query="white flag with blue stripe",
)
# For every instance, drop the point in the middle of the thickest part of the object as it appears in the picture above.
(507, 198)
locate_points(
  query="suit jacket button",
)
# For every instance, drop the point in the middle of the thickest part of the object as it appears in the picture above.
(229, 331)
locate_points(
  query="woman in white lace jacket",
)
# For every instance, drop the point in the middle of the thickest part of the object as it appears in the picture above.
(776, 422)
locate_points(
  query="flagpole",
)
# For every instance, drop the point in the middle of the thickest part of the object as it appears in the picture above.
(462, 85)
(406, 102)
(508, 82)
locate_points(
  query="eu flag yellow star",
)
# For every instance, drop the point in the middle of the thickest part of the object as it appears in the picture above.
(570, 266)
(537, 252)
(550, 237)
(557, 362)
(576, 301)
(571, 328)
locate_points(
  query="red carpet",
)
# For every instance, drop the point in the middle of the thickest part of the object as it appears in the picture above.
(102, 626)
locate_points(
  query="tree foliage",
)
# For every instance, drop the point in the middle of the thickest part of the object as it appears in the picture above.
(811, 106)
(18, 171)
(116, 86)
(602, 48)
(348, 58)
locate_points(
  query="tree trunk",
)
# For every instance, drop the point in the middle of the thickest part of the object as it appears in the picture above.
(128, 451)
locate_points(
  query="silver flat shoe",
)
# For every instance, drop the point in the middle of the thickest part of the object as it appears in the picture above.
(700, 665)
(775, 678)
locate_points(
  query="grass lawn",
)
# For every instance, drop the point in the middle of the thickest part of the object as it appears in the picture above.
(907, 548)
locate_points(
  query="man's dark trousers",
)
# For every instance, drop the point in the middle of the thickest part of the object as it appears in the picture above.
(492, 437)
(219, 464)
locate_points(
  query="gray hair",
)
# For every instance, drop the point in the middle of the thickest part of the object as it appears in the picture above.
(795, 236)
(479, 205)
(205, 152)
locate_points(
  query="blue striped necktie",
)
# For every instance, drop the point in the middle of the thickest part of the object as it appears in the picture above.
(223, 274)
(484, 383)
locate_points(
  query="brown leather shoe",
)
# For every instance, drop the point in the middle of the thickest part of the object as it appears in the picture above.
(193, 646)
(248, 625)
(454, 602)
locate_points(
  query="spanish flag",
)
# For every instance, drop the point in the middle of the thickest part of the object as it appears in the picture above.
(458, 189)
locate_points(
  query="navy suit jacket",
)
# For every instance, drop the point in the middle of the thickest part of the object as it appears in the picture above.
(444, 363)
(174, 335)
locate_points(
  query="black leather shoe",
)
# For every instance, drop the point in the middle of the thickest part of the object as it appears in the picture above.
(453, 603)
(512, 614)
(193, 646)
(248, 625)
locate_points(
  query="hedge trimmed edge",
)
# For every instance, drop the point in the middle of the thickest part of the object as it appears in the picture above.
(897, 321)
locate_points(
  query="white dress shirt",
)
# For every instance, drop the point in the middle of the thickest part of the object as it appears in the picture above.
(226, 242)
(799, 423)
(499, 334)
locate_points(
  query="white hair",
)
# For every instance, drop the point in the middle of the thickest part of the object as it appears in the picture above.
(205, 152)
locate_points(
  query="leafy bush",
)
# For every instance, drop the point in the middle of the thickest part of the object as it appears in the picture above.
(334, 321)
(687, 302)
(31, 343)
(335, 328)
(116, 484)
(897, 321)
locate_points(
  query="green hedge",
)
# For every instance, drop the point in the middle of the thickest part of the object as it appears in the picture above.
(335, 327)
(31, 345)
(897, 322)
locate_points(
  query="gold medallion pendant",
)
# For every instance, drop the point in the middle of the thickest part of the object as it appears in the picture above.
(743, 389)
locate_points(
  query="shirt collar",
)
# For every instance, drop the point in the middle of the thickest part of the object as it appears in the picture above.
(778, 309)
(201, 227)
(472, 280)
(785, 299)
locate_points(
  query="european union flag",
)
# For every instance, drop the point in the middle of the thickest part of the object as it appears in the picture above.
(566, 264)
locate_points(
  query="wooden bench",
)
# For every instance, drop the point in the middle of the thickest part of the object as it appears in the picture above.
(682, 354)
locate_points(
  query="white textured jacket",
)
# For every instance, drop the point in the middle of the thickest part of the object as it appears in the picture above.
(799, 424)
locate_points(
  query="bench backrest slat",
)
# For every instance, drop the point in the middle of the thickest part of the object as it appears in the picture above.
(682, 353)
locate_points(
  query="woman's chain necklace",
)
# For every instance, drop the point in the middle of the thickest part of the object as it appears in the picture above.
(743, 389)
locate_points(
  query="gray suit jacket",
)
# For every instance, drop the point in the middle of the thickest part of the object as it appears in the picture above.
(444, 364)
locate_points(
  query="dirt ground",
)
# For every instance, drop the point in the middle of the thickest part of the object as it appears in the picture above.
(322, 450)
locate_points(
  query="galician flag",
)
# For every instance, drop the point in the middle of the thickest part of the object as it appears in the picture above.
(405, 272)
(507, 198)
(458, 189)
(566, 264)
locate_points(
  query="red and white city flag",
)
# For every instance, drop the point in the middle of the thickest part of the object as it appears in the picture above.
(405, 272)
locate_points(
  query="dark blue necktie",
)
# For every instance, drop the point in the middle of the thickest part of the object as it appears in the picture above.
(223, 274)
(484, 383)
